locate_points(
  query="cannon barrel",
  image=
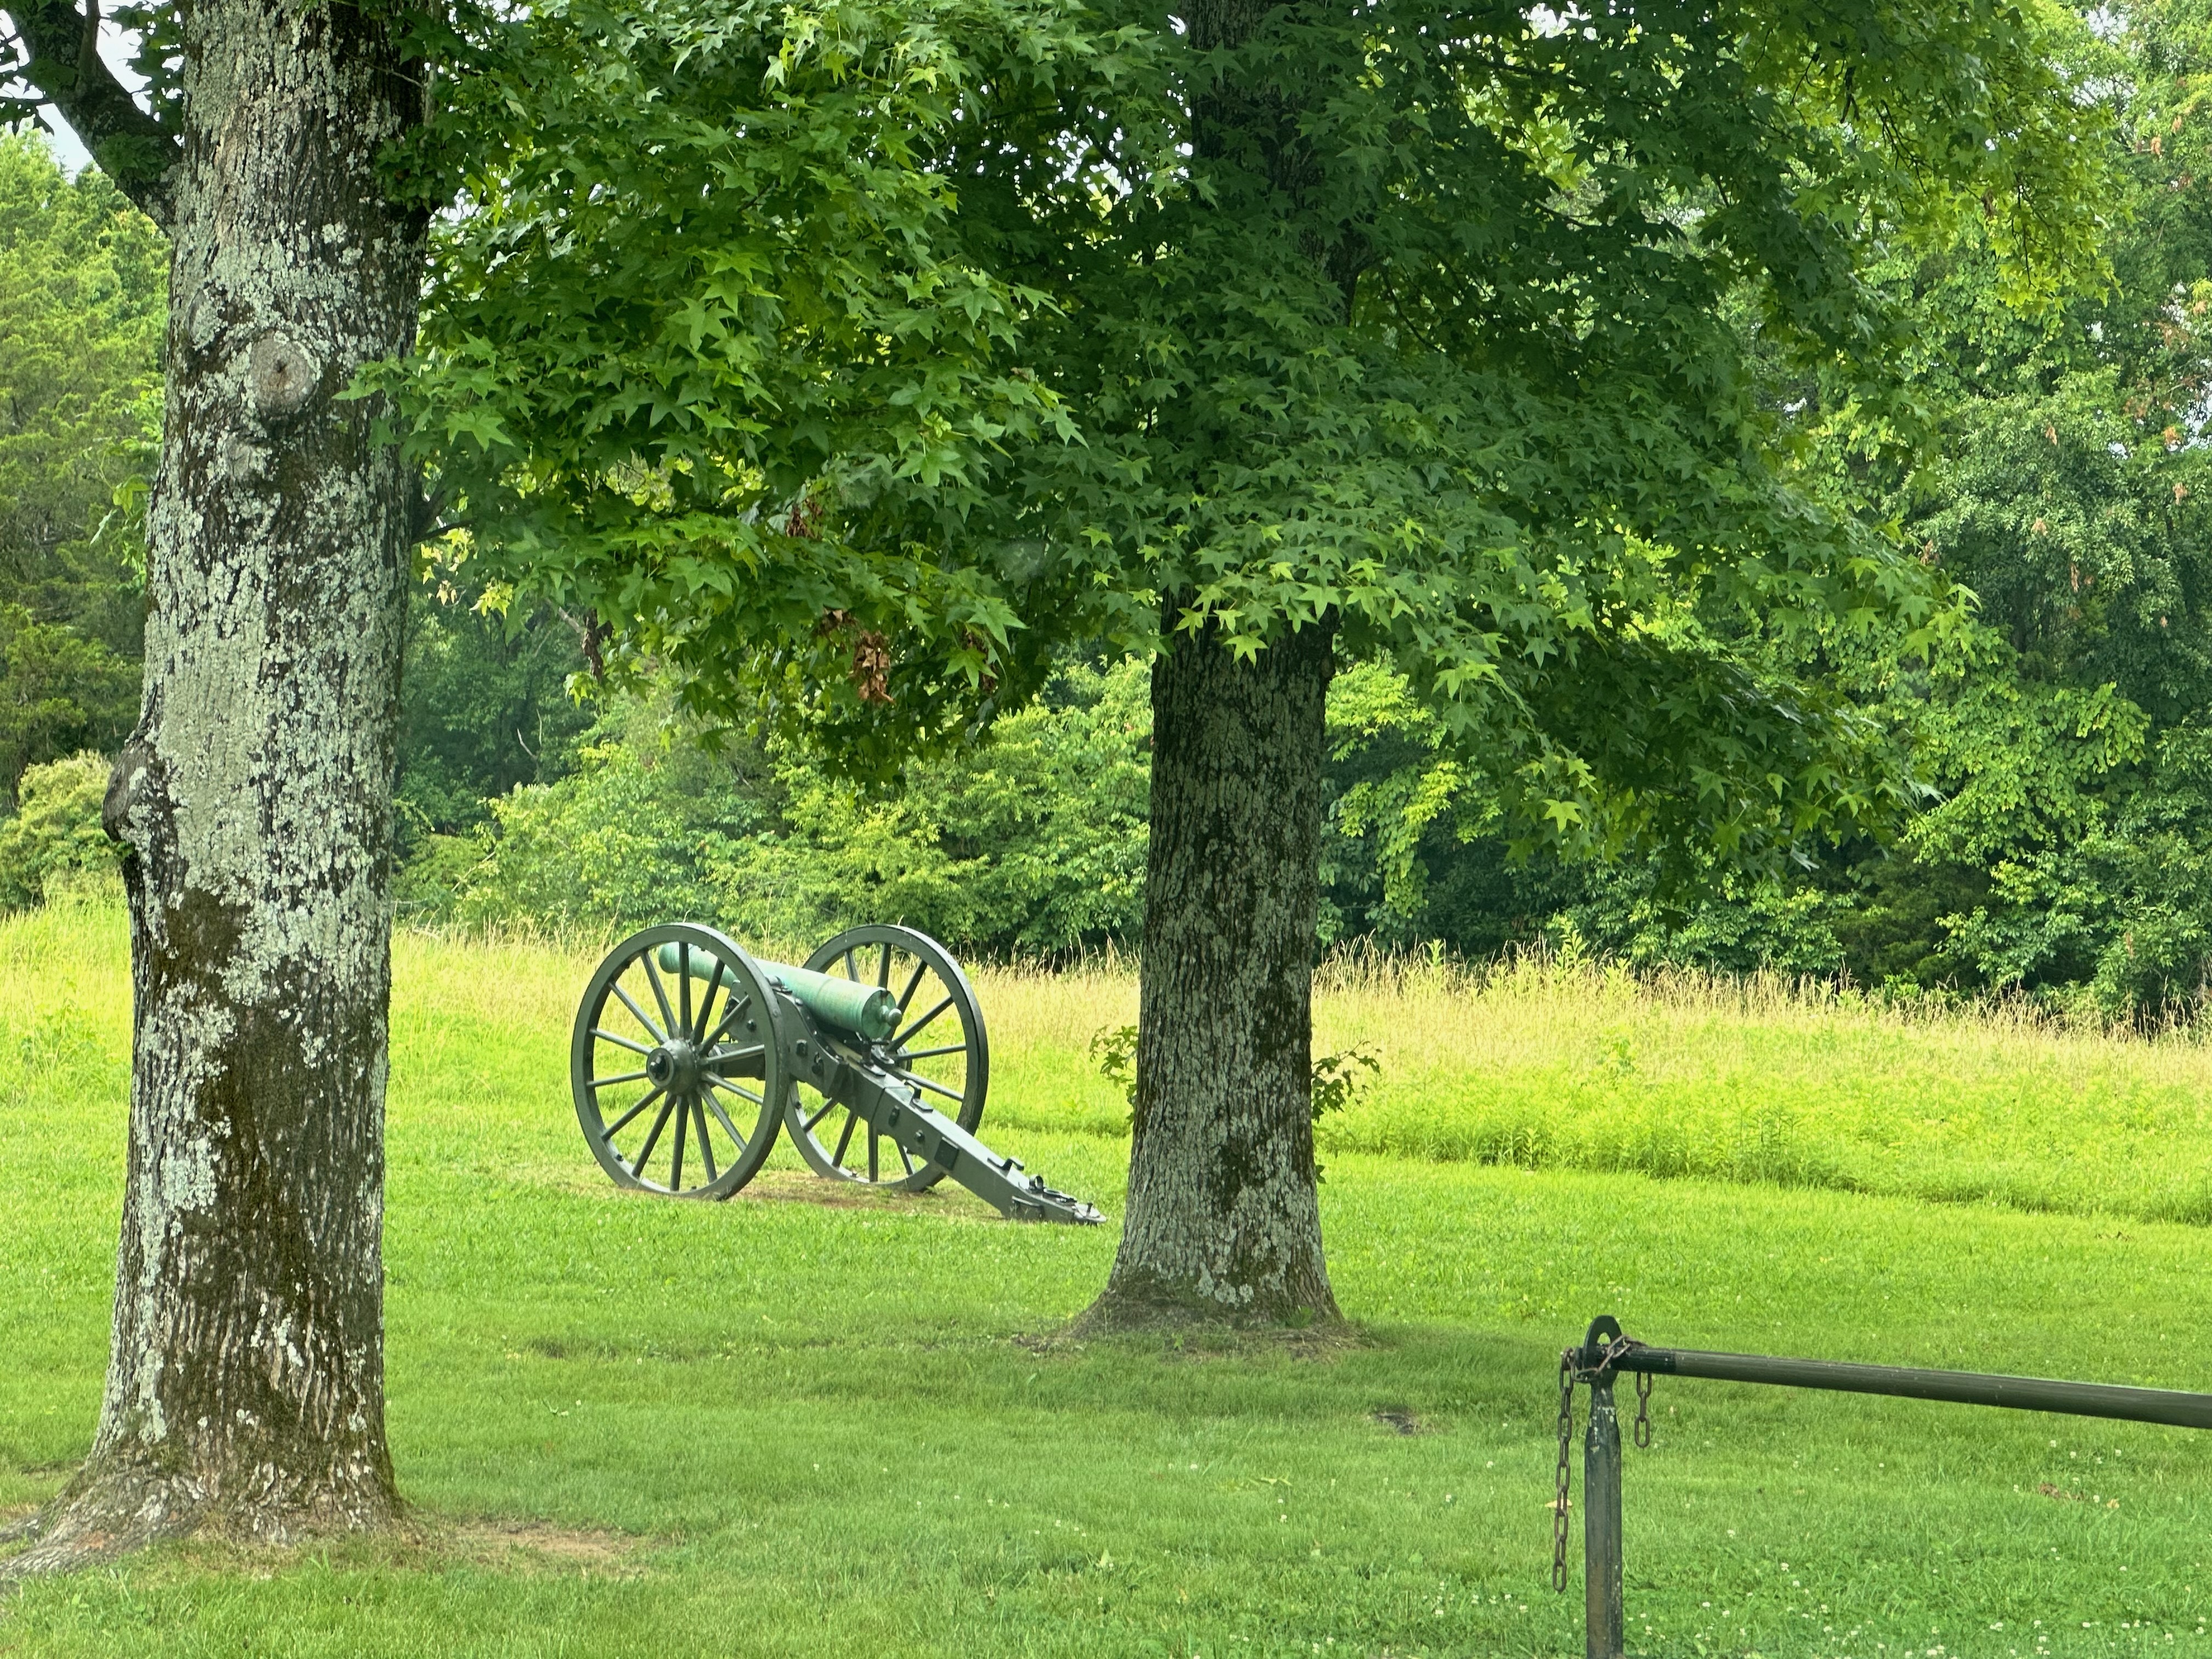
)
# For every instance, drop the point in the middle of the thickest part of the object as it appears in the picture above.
(867, 1011)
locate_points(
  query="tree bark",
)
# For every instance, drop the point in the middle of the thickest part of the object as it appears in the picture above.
(1222, 1217)
(246, 1382)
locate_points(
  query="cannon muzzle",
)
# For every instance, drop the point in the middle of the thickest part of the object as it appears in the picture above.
(866, 1011)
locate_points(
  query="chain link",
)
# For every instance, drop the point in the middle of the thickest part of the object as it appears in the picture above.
(1566, 1445)
(1644, 1408)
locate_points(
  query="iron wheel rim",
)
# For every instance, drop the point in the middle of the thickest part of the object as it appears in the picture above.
(665, 1060)
(951, 1076)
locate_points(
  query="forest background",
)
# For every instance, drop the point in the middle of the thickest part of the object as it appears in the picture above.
(2051, 462)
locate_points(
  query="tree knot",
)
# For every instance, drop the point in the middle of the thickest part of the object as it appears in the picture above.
(284, 375)
(132, 764)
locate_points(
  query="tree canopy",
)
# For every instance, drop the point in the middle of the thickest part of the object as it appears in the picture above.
(866, 357)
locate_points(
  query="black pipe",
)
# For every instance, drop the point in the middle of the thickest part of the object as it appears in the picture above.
(1605, 1630)
(1605, 1352)
(2034, 1393)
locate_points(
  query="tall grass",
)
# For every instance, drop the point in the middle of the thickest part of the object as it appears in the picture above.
(1541, 1064)
(1545, 1064)
(1536, 1064)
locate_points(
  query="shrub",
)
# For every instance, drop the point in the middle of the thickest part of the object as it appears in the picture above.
(1033, 842)
(55, 842)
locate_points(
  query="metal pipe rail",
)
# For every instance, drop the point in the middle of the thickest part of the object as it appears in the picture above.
(1605, 1353)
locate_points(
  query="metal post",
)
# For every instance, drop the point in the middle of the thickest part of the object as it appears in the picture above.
(1605, 1637)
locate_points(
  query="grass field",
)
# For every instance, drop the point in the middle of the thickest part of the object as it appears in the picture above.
(786, 1426)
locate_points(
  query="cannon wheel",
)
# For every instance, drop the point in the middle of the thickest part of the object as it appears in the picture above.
(674, 1075)
(940, 1047)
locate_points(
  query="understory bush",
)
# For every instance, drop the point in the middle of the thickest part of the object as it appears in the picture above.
(1032, 843)
(54, 841)
(2064, 858)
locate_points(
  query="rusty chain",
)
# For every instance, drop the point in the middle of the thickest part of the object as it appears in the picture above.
(1566, 1443)
(1572, 1372)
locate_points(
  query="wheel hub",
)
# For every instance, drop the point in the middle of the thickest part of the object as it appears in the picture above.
(674, 1066)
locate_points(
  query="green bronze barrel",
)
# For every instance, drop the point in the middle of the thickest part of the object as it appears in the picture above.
(869, 1010)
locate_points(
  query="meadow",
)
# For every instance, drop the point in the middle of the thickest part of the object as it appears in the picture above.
(792, 1425)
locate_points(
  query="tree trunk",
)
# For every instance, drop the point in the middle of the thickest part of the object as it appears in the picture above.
(246, 1380)
(1223, 1217)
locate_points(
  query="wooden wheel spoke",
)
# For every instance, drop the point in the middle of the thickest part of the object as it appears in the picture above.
(851, 1122)
(907, 995)
(730, 1018)
(624, 1121)
(660, 991)
(884, 972)
(931, 1054)
(637, 1166)
(851, 972)
(936, 1088)
(900, 1041)
(904, 1158)
(714, 1082)
(706, 1010)
(683, 985)
(828, 1107)
(638, 1013)
(676, 1164)
(601, 1032)
(723, 1118)
(706, 1151)
(625, 1076)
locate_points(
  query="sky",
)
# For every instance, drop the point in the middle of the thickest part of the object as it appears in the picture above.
(115, 46)
(60, 140)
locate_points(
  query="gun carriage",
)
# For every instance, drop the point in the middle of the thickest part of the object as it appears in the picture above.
(690, 1056)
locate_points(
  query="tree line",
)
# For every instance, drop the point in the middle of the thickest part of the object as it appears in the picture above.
(2057, 741)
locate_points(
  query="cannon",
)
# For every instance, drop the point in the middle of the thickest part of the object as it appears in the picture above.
(690, 1056)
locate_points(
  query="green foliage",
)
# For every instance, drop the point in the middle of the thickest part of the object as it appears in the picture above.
(60, 692)
(83, 291)
(1336, 1080)
(2069, 498)
(2049, 462)
(1034, 842)
(1336, 1083)
(54, 840)
(620, 843)
(701, 297)
(1456, 361)
(1113, 1054)
(484, 706)
(2124, 908)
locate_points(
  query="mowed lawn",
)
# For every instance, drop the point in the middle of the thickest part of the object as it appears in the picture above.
(791, 1426)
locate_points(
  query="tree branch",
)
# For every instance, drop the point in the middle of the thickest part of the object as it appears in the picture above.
(60, 49)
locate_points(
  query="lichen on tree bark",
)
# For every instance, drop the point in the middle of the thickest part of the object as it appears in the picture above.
(1224, 1216)
(1224, 1219)
(246, 1382)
